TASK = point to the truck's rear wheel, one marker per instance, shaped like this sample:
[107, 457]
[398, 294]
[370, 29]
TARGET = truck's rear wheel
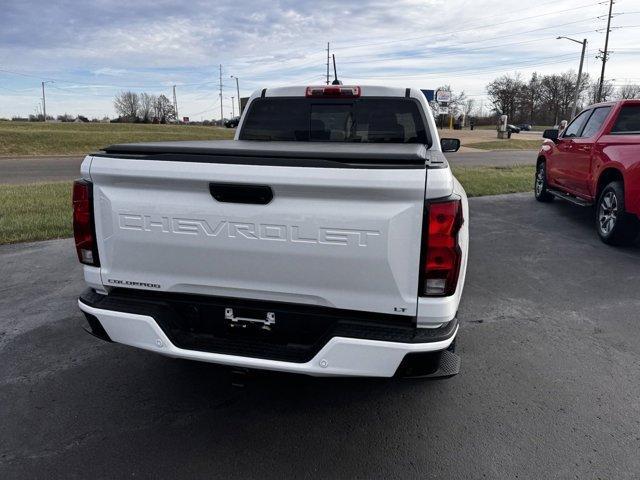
[614, 225]
[540, 186]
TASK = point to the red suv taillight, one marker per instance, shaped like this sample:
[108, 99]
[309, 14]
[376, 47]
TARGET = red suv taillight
[83, 226]
[441, 254]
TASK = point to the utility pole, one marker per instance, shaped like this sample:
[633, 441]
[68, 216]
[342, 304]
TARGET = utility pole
[238, 92]
[577, 94]
[233, 113]
[175, 104]
[605, 53]
[221, 107]
[327, 63]
[44, 102]
[44, 105]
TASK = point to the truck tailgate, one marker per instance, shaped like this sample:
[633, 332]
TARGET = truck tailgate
[340, 237]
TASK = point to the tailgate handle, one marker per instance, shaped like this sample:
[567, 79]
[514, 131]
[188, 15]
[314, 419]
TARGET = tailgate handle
[236, 193]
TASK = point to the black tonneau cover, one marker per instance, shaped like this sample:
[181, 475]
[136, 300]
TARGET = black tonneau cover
[248, 148]
[307, 154]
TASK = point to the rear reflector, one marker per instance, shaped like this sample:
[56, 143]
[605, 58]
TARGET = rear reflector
[83, 226]
[333, 91]
[441, 254]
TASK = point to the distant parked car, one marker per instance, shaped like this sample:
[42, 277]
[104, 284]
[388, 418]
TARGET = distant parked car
[232, 122]
[525, 126]
[596, 161]
[513, 129]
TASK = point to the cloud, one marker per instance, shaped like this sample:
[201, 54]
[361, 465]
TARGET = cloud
[110, 72]
[94, 49]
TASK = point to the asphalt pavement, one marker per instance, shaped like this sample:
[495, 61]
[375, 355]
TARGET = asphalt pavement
[549, 386]
[20, 170]
[27, 169]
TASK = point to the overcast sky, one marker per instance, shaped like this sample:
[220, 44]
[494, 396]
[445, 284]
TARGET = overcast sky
[93, 49]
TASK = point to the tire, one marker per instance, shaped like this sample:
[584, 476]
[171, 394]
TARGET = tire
[540, 187]
[613, 224]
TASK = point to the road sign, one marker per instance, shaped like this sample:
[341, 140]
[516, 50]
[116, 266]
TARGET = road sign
[443, 96]
[443, 110]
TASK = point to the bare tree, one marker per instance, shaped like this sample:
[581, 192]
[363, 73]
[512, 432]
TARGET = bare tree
[531, 98]
[629, 91]
[127, 105]
[66, 118]
[505, 93]
[163, 109]
[146, 108]
[467, 108]
[608, 89]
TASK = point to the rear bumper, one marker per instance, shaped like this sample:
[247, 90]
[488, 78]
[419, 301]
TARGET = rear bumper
[124, 320]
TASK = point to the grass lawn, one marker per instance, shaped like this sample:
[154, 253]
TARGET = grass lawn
[34, 138]
[43, 211]
[540, 128]
[480, 181]
[511, 144]
[35, 212]
[534, 128]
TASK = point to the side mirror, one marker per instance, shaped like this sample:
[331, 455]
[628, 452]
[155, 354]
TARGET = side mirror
[450, 144]
[551, 134]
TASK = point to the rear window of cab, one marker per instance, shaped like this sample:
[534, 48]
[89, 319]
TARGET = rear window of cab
[360, 120]
[628, 121]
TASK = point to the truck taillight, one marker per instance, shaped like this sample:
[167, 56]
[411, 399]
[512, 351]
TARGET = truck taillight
[441, 254]
[83, 226]
[333, 91]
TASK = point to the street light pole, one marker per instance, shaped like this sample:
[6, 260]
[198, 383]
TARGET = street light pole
[577, 94]
[238, 91]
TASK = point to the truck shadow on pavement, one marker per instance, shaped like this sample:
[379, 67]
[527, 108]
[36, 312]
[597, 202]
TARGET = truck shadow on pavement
[583, 219]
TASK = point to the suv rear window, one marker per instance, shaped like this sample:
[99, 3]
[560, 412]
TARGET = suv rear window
[361, 120]
[628, 121]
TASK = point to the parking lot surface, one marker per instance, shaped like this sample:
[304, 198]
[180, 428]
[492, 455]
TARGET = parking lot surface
[26, 169]
[549, 386]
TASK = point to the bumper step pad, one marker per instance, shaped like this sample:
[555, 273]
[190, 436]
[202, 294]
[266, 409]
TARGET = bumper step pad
[448, 366]
[430, 365]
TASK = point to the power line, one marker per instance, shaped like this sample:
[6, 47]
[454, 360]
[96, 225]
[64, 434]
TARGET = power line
[439, 74]
[435, 35]
[482, 26]
[106, 85]
[466, 50]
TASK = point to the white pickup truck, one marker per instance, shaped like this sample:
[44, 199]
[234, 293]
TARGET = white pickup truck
[329, 238]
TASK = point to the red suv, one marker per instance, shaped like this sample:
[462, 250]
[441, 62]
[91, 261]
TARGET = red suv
[596, 161]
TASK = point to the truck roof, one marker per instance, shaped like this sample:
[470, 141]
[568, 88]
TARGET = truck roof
[629, 101]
